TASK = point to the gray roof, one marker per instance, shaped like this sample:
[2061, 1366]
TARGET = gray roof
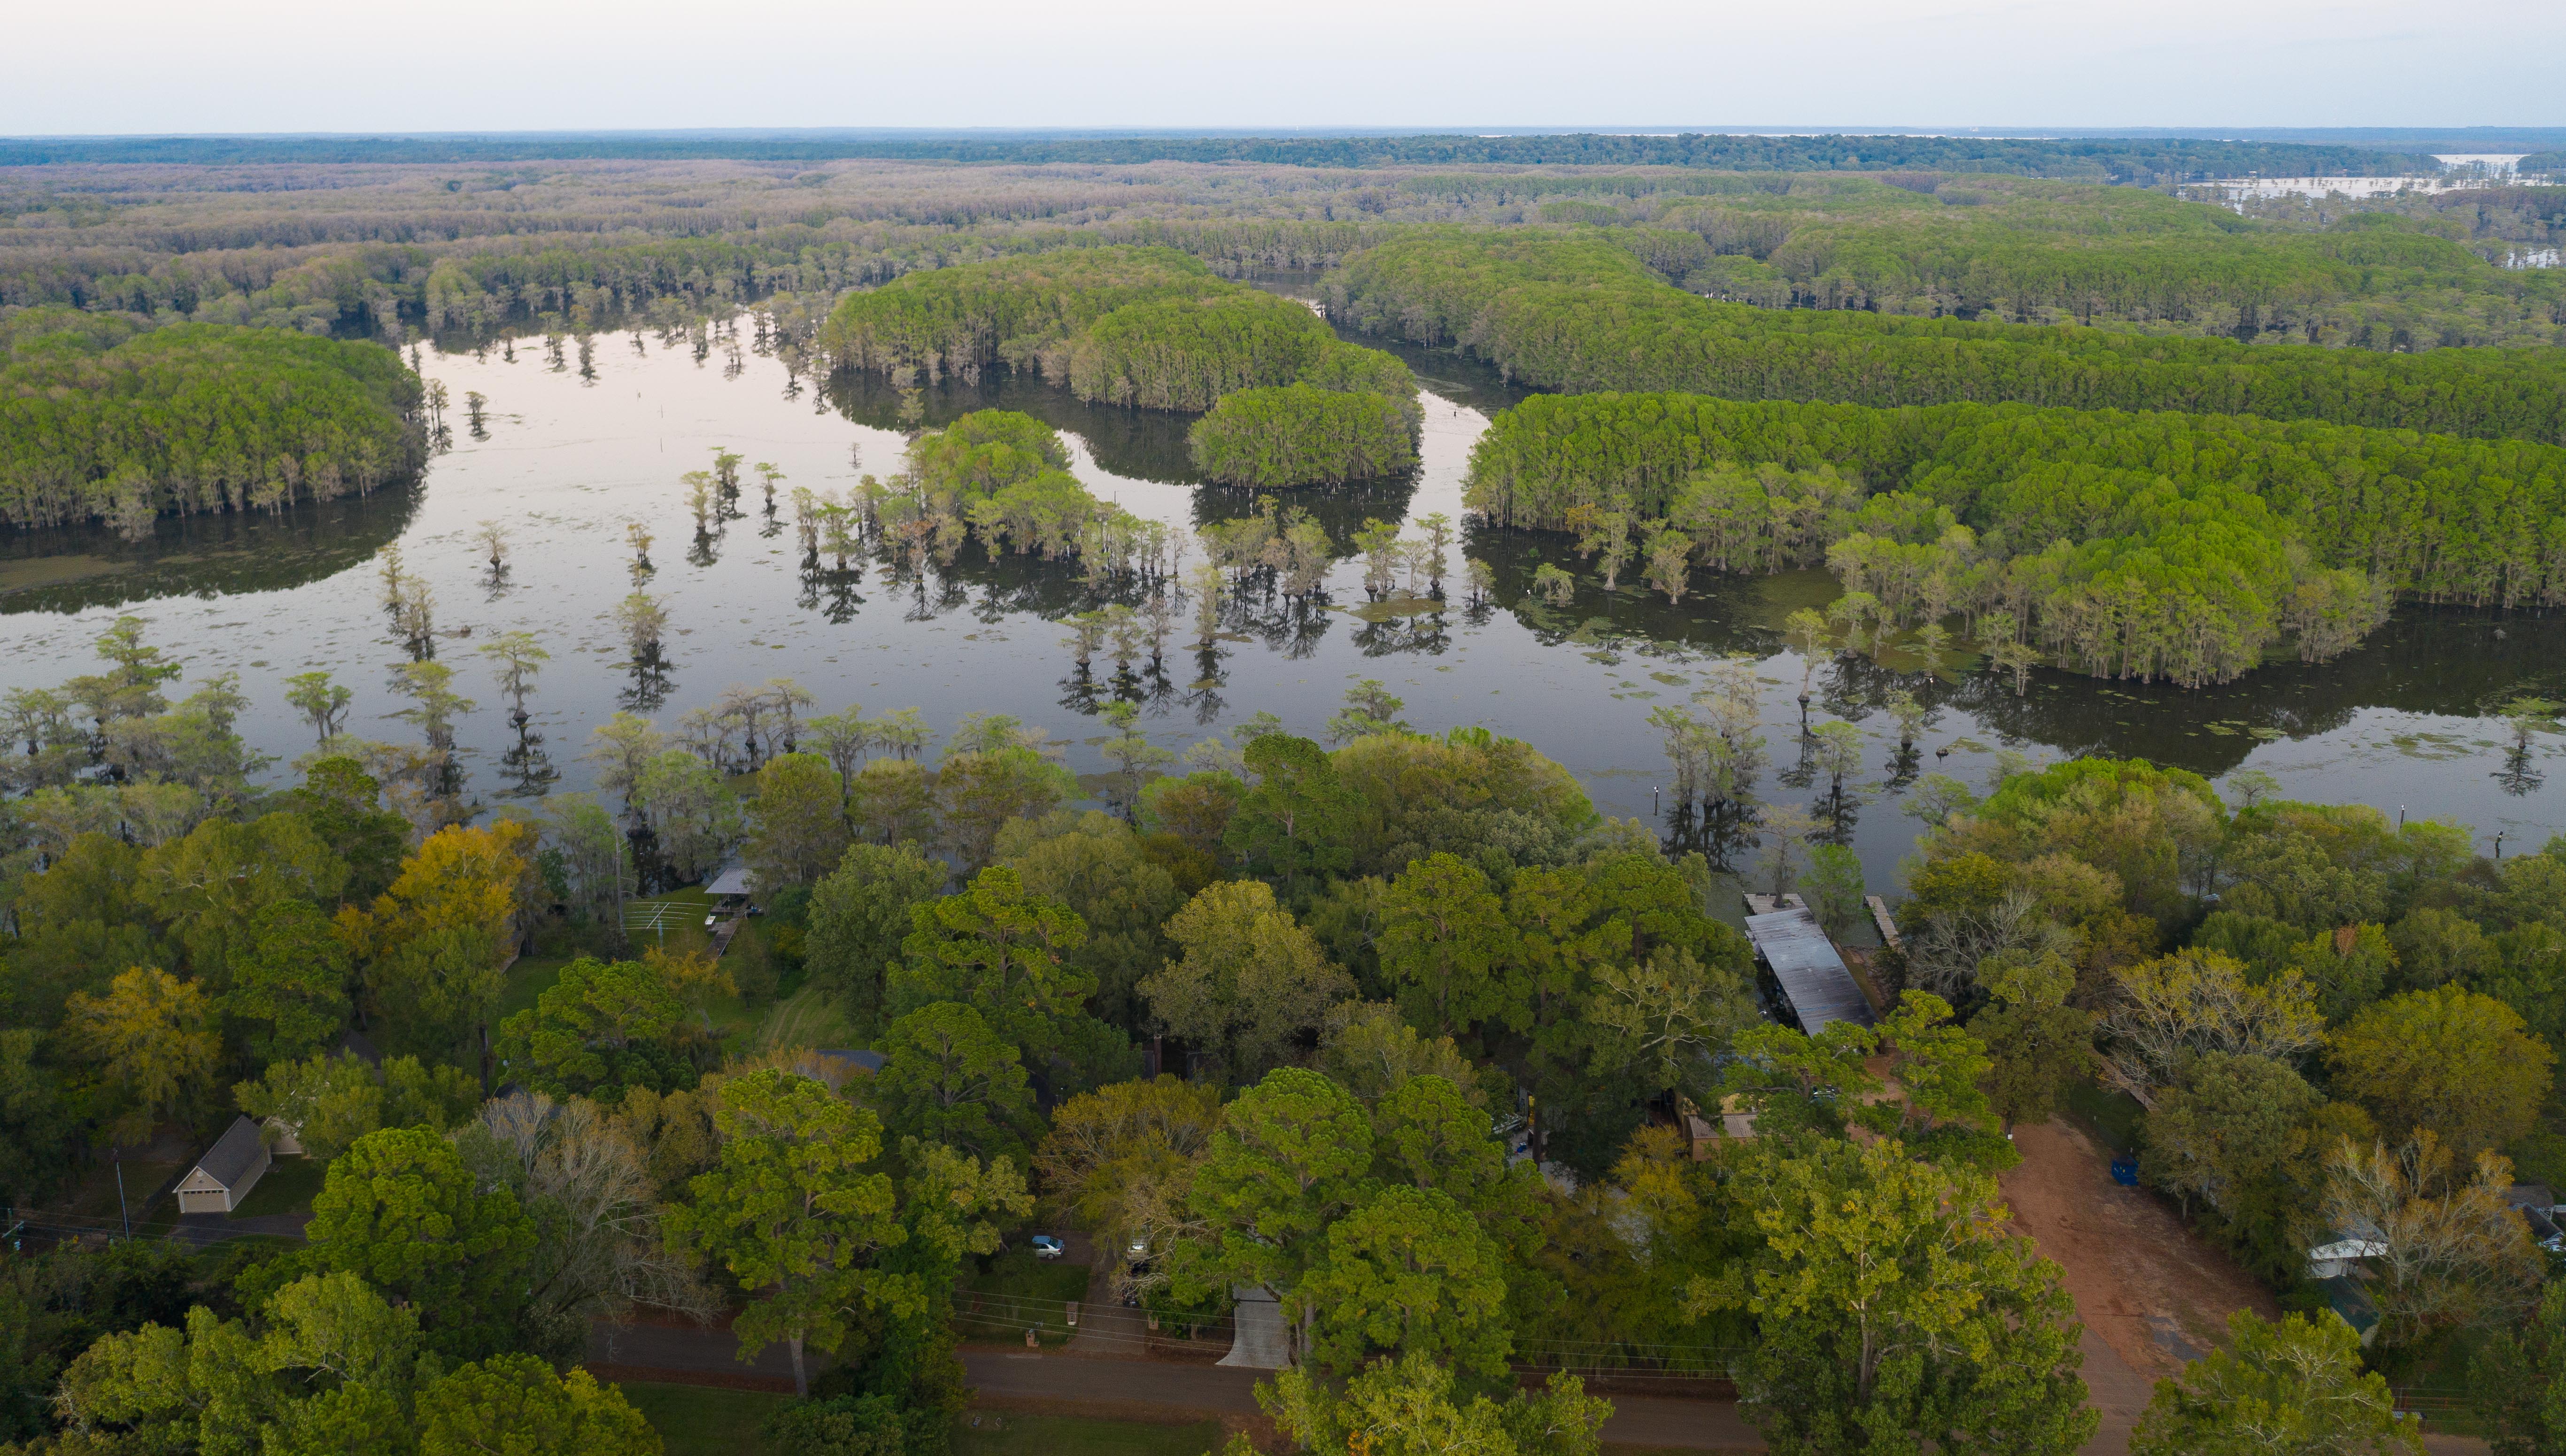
[731, 881]
[1821, 991]
[233, 1154]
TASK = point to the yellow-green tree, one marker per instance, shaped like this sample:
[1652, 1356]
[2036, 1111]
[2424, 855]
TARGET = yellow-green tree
[1895, 1310]
[152, 1039]
[2461, 1065]
[2295, 1388]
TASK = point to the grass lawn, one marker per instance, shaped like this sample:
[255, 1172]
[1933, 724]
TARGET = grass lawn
[286, 1187]
[698, 1420]
[2436, 1376]
[1001, 1433]
[809, 1017]
[1027, 1291]
[2109, 1115]
[528, 978]
[94, 1199]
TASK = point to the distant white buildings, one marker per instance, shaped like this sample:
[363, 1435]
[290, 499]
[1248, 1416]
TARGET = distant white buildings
[2460, 170]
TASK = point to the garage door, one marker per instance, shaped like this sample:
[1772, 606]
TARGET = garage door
[215, 1201]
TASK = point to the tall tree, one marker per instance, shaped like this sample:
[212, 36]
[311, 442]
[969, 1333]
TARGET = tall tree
[2292, 1388]
[514, 1403]
[1251, 984]
[289, 979]
[1000, 949]
[798, 822]
[1446, 946]
[400, 1210]
[1294, 825]
[949, 1077]
[1894, 1309]
[1408, 1408]
[1289, 1160]
[2522, 1376]
[1113, 1156]
[1408, 1270]
[792, 1210]
[2449, 1061]
[860, 915]
[152, 1039]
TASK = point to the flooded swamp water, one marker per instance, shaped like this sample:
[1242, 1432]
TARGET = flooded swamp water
[566, 456]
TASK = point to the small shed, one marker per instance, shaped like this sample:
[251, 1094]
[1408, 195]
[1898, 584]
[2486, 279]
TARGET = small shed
[1816, 987]
[228, 1170]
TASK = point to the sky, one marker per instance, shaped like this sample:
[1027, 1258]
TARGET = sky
[184, 65]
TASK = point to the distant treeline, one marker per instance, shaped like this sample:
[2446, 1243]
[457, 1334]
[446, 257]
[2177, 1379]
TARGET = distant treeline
[100, 420]
[1146, 327]
[2145, 161]
[2137, 543]
[1578, 311]
[590, 280]
[591, 245]
[2402, 274]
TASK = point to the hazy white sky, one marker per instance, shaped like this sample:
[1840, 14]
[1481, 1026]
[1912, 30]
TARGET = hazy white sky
[482, 65]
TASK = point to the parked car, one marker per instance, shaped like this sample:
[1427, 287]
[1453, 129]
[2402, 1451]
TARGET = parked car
[1048, 1246]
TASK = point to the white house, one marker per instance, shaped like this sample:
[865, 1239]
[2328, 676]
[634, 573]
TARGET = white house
[228, 1170]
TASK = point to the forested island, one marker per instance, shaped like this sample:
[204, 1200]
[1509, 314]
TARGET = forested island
[1151, 328]
[1583, 313]
[2131, 545]
[104, 418]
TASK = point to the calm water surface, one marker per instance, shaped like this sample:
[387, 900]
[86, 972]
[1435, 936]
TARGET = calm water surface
[566, 460]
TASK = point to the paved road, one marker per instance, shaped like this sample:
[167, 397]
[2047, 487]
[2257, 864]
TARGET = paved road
[684, 1347]
[1697, 1425]
[1161, 1387]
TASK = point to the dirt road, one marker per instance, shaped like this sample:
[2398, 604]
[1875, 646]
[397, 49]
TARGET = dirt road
[2157, 1292]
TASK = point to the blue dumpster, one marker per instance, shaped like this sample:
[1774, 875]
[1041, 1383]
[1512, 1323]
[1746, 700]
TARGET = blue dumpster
[2125, 1171]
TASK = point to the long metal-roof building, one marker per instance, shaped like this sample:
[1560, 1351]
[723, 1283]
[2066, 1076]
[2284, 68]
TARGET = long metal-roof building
[1814, 981]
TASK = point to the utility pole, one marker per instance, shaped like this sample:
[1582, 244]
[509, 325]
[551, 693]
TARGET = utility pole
[116, 1156]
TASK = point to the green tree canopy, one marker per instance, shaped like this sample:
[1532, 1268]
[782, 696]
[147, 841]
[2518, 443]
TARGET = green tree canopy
[949, 1077]
[2453, 1062]
[999, 950]
[2292, 1388]
[792, 1209]
[1250, 985]
[1446, 946]
[1894, 1307]
[400, 1210]
[514, 1403]
[1408, 1270]
[860, 915]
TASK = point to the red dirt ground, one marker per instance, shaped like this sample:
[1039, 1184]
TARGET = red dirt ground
[2157, 1293]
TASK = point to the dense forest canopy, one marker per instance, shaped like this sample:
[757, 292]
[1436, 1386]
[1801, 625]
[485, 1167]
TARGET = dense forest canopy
[464, 249]
[2134, 544]
[1151, 328]
[2100, 160]
[1302, 434]
[1576, 311]
[102, 417]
